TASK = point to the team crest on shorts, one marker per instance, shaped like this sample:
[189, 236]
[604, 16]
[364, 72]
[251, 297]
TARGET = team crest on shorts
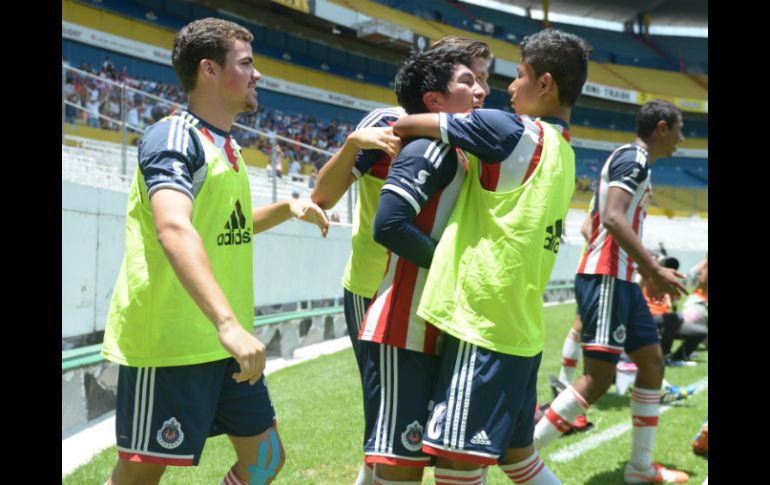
[620, 334]
[170, 435]
[412, 437]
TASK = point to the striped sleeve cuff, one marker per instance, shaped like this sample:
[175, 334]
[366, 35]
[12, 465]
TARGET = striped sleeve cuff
[442, 122]
[176, 187]
[621, 185]
[404, 194]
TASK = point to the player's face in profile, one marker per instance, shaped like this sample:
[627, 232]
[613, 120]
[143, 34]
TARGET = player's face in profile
[463, 91]
[674, 136]
[239, 78]
[523, 91]
[480, 68]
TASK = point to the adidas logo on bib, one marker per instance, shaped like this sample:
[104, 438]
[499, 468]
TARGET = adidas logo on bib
[481, 438]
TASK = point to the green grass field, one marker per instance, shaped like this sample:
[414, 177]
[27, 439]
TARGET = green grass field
[320, 419]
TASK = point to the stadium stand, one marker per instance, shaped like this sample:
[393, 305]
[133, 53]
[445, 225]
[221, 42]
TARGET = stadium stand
[283, 114]
[658, 52]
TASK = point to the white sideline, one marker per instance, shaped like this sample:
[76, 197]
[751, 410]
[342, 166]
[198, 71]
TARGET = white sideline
[577, 449]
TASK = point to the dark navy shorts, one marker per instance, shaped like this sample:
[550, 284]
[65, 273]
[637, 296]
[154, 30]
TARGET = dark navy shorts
[165, 414]
[615, 317]
[484, 404]
[398, 385]
[355, 309]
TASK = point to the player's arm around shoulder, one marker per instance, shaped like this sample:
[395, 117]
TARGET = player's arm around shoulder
[360, 150]
[416, 175]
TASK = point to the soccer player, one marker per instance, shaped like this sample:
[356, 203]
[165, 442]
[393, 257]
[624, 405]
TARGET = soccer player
[398, 348]
[366, 156]
[492, 264]
[614, 313]
[180, 320]
[570, 352]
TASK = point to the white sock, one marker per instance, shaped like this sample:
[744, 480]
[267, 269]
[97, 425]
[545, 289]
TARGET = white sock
[365, 475]
[644, 417]
[531, 471]
[567, 406]
[570, 355]
[484, 473]
[445, 476]
[232, 479]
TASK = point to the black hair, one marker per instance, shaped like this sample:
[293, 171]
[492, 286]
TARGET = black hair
[563, 55]
[427, 71]
[652, 112]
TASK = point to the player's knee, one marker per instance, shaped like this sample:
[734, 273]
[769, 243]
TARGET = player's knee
[652, 368]
[135, 473]
[598, 384]
[398, 473]
[269, 461]
[456, 464]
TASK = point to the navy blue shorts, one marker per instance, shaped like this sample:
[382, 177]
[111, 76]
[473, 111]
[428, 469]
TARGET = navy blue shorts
[398, 384]
[355, 309]
[484, 404]
[615, 317]
[165, 414]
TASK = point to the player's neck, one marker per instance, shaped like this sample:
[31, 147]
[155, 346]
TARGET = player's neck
[211, 111]
[559, 112]
[649, 148]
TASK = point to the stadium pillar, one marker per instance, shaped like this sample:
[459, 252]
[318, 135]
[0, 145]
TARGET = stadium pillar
[546, 23]
[63, 99]
[275, 180]
[123, 121]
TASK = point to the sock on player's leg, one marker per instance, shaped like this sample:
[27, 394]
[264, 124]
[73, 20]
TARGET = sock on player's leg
[644, 417]
[446, 476]
[570, 355]
[563, 410]
[531, 471]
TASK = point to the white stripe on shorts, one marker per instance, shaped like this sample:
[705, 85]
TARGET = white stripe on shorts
[394, 394]
[452, 392]
[456, 402]
[381, 413]
[142, 409]
[466, 405]
[151, 401]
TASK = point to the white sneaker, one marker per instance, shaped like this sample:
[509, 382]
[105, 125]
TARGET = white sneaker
[655, 474]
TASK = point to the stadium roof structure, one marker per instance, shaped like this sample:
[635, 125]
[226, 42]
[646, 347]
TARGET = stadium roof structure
[680, 13]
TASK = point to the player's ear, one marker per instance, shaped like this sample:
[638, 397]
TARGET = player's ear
[546, 83]
[206, 68]
[432, 101]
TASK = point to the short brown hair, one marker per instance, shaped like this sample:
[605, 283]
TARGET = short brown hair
[474, 48]
[207, 38]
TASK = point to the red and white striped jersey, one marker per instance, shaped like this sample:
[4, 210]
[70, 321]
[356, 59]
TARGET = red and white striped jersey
[428, 176]
[508, 147]
[627, 169]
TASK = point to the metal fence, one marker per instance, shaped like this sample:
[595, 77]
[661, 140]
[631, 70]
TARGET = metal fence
[104, 104]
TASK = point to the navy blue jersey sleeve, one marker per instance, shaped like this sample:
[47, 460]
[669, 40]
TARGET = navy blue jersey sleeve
[394, 229]
[382, 117]
[490, 134]
[423, 168]
[170, 156]
[626, 171]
